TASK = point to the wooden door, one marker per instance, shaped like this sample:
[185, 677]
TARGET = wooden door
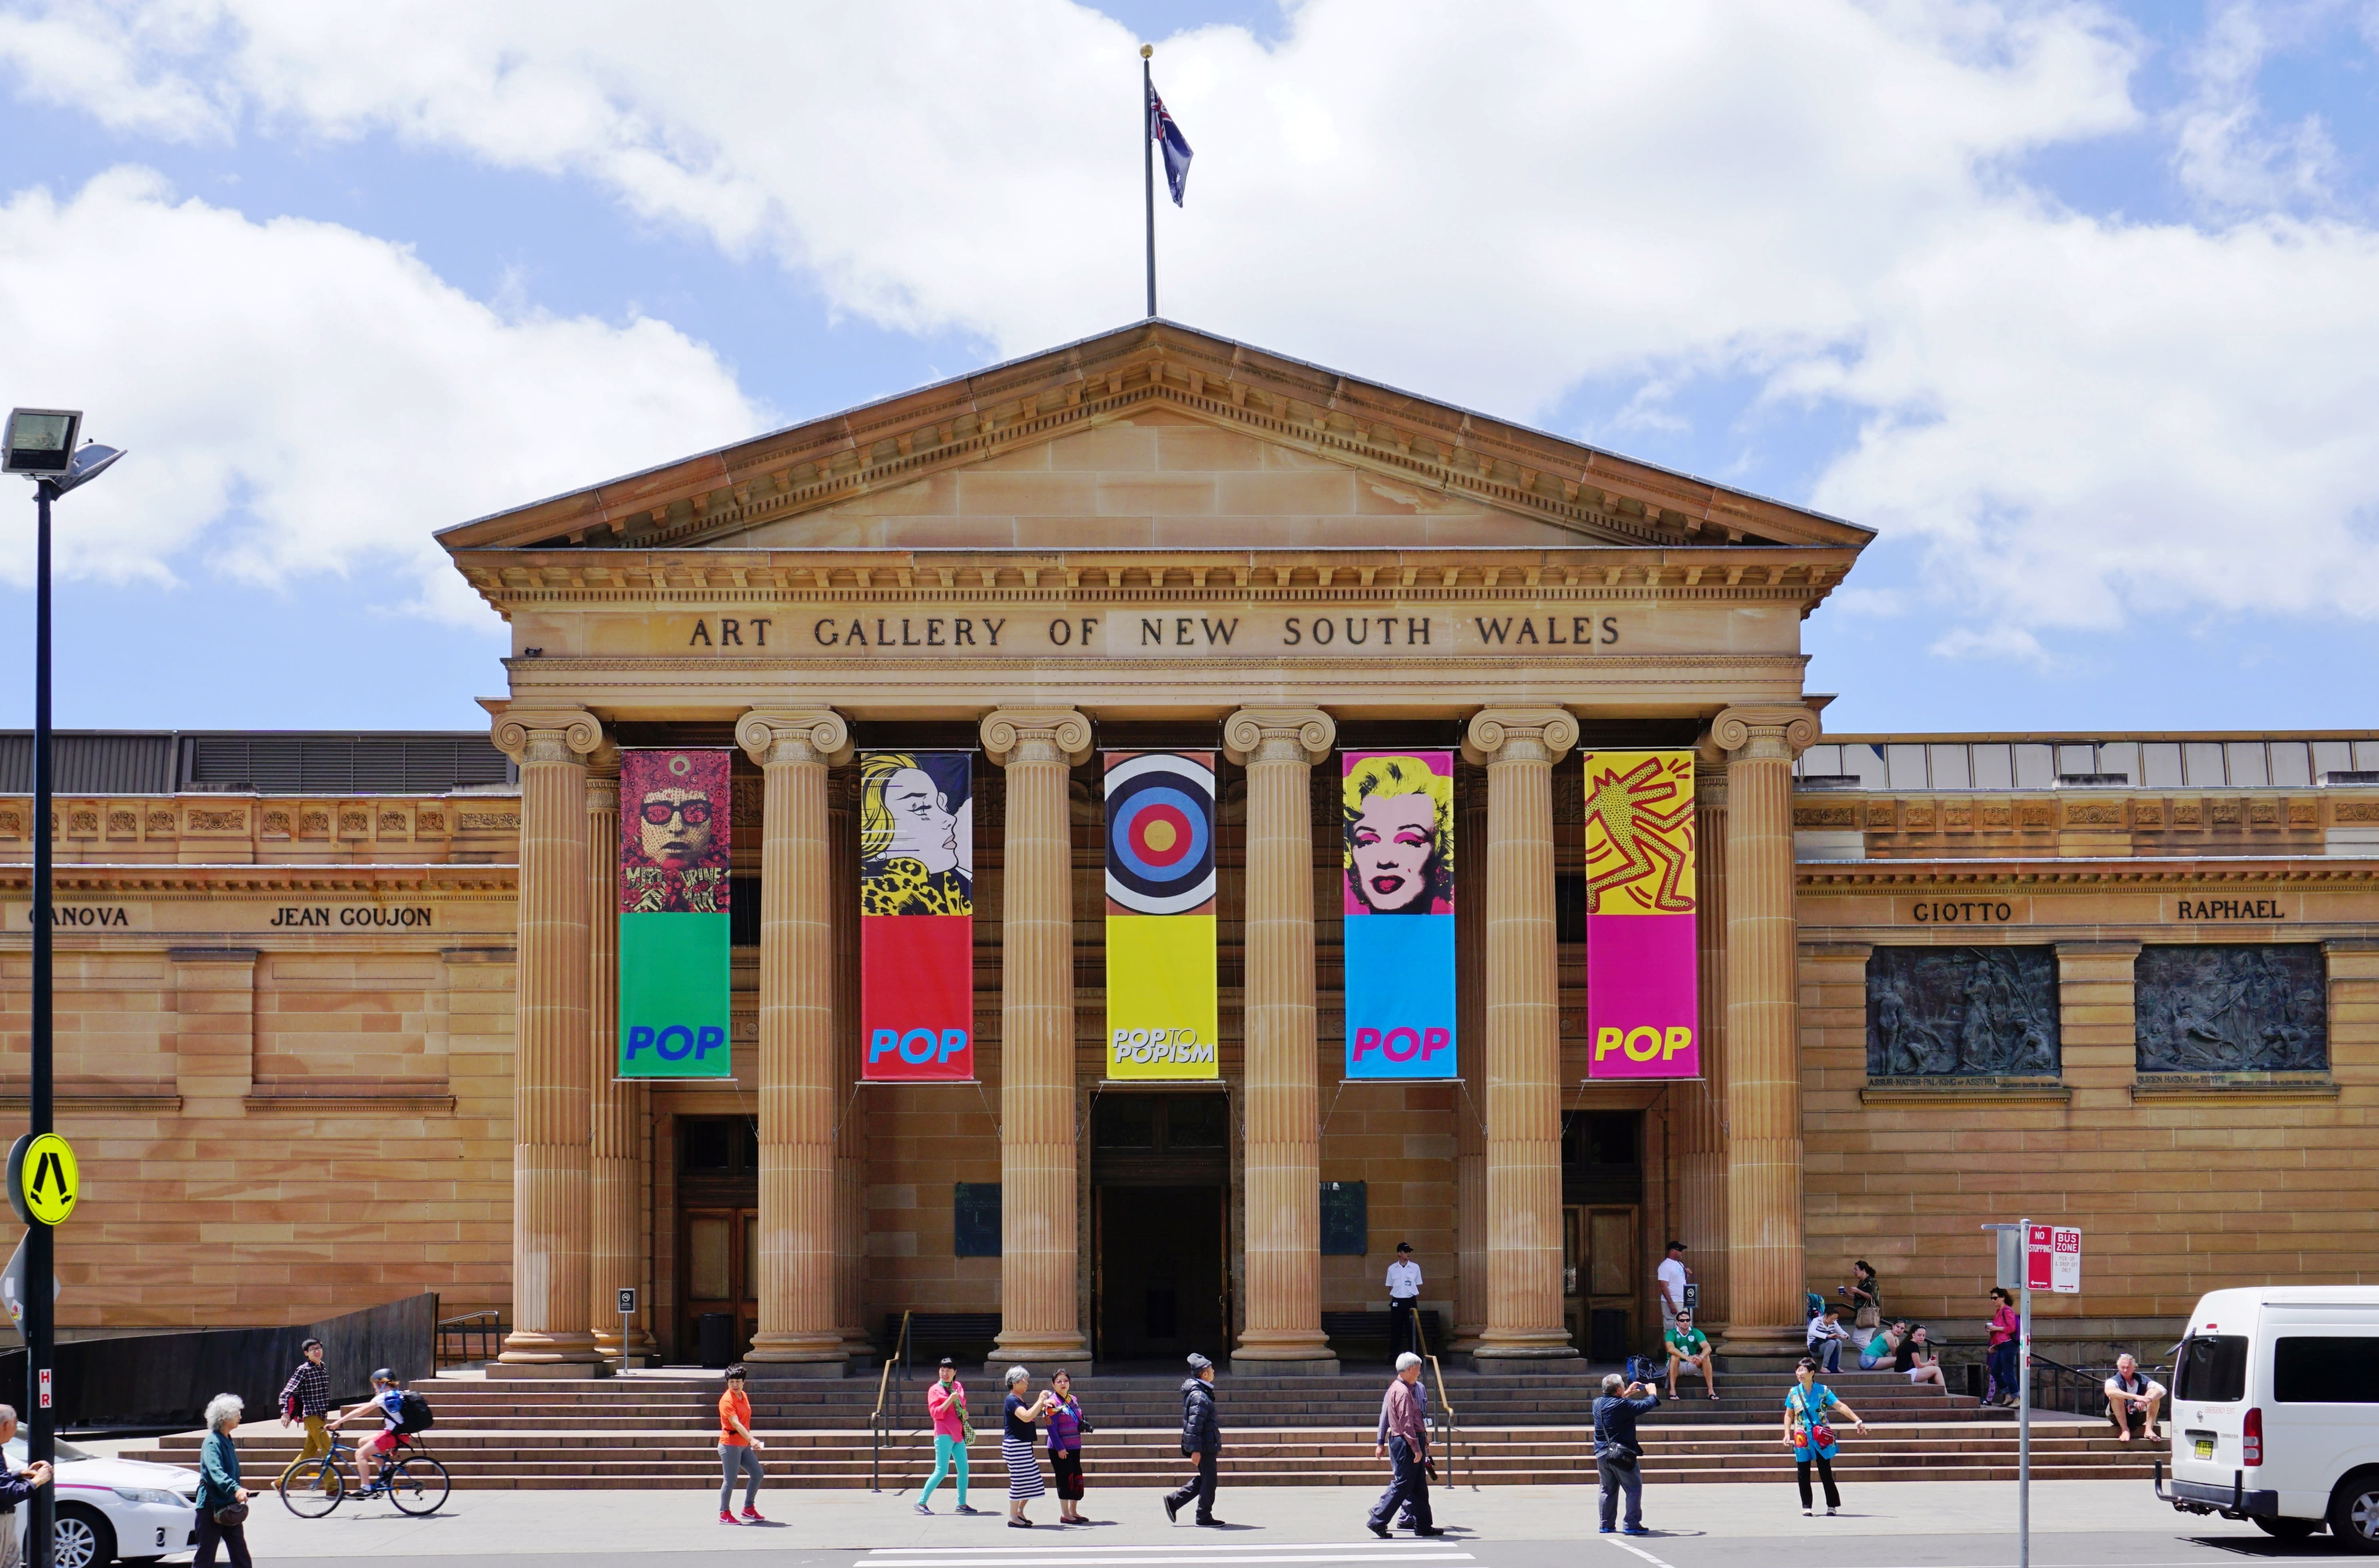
[720, 1249]
[1599, 1273]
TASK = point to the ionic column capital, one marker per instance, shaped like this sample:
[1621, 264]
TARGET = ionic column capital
[603, 777]
[1764, 734]
[794, 734]
[1035, 734]
[1519, 734]
[1279, 734]
[529, 734]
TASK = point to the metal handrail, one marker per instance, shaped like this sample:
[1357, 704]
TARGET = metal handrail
[1452, 1421]
[899, 1353]
[486, 1326]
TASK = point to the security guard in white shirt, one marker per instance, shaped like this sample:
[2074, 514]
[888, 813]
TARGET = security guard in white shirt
[1404, 1289]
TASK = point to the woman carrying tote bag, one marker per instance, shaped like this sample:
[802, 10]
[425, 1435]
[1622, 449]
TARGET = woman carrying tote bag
[223, 1502]
[1809, 1408]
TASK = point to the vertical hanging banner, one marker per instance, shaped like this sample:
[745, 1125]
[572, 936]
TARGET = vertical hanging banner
[1162, 1017]
[1398, 811]
[1640, 997]
[916, 916]
[673, 922]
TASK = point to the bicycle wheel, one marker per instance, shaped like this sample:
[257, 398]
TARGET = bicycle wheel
[417, 1484]
[311, 1488]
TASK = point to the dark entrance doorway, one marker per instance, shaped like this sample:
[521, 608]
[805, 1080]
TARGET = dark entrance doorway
[1159, 1169]
[1602, 1203]
[718, 1230]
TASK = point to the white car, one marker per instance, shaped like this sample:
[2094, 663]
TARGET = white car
[2275, 1411]
[109, 1509]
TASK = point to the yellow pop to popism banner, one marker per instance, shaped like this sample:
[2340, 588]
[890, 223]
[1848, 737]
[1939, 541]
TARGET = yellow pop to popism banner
[1163, 1019]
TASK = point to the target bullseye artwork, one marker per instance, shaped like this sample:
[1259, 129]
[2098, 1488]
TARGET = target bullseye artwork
[1163, 1019]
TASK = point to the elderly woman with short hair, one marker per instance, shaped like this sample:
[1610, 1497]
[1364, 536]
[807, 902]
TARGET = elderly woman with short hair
[219, 1487]
[1020, 1416]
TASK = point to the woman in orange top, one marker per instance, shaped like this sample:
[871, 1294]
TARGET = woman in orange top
[737, 1449]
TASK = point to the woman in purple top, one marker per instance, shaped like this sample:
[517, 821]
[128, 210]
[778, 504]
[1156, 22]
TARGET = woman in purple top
[1065, 1429]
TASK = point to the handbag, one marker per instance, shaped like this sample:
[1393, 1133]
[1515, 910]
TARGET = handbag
[232, 1515]
[1870, 1316]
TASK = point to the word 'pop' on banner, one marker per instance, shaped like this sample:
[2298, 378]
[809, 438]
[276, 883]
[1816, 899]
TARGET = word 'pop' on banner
[674, 820]
[1398, 858]
[1162, 1017]
[1641, 1006]
[916, 915]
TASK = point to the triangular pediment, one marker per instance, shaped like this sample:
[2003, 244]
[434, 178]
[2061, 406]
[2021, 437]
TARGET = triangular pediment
[1155, 436]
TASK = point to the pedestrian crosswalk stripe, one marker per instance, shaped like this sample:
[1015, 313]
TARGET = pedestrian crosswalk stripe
[1370, 1548]
[891, 1558]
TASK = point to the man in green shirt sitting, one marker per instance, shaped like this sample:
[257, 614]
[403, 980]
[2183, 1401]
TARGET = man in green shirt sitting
[1688, 1346]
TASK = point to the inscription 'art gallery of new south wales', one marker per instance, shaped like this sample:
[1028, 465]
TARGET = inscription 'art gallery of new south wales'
[946, 858]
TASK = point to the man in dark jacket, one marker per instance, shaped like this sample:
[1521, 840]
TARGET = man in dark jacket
[1618, 1457]
[16, 1486]
[1201, 1436]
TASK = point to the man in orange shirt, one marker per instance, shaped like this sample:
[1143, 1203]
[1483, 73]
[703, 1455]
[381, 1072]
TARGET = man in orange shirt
[738, 1450]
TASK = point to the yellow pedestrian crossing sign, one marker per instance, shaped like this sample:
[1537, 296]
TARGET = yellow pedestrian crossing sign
[43, 1180]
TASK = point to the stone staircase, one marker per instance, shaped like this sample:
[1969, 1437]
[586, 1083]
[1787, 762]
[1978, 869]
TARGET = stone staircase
[657, 1430]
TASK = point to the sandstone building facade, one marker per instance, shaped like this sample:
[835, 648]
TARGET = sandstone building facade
[327, 1039]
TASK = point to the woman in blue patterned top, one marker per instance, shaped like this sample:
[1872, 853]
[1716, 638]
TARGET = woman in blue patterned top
[1065, 1429]
[1808, 1431]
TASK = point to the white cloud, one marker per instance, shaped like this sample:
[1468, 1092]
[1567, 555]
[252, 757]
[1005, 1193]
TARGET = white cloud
[2080, 418]
[322, 390]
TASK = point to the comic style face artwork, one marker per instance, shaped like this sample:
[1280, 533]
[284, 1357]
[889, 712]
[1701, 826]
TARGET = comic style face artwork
[673, 832]
[916, 833]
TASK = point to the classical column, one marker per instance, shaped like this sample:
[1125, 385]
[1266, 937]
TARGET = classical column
[617, 1252]
[850, 1136]
[1470, 1027]
[1765, 1268]
[799, 1335]
[1039, 1320]
[1282, 1332]
[1519, 747]
[553, 1069]
[1701, 1107]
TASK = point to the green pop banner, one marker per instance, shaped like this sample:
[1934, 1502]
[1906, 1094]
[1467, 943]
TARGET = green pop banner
[674, 914]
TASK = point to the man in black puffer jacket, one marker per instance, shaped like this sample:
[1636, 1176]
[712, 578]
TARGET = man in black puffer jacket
[1202, 1437]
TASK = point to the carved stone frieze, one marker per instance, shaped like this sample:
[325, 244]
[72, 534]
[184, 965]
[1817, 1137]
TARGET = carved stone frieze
[1962, 1012]
[2247, 1007]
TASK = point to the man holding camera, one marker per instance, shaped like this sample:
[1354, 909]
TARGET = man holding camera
[1618, 1455]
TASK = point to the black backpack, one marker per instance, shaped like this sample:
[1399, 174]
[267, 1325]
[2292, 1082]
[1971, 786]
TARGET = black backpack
[417, 1417]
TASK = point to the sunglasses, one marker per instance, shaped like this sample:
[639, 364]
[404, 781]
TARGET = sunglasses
[696, 812]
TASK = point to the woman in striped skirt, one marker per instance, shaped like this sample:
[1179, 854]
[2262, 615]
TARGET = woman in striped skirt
[1020, 1416]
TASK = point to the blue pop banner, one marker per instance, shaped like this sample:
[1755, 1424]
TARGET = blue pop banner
[1398, 890]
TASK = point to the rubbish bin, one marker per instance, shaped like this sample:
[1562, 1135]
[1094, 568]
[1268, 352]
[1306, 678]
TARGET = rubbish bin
[715, 1333]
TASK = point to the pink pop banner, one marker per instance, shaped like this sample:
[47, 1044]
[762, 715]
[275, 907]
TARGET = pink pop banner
[1641, 982]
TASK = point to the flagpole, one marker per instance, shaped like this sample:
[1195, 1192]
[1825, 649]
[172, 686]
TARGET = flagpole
[1148, 165]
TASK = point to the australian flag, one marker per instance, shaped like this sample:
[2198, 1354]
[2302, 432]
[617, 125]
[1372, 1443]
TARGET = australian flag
[1177, 146]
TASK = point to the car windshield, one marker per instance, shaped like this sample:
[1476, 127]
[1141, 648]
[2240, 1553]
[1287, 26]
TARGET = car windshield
[18, 1461]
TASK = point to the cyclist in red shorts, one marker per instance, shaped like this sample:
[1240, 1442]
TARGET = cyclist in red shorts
[388, 1402]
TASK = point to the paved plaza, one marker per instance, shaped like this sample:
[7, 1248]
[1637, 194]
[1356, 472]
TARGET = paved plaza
[1905, 1524]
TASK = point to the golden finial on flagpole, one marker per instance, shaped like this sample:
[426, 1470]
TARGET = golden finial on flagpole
[1146, 50]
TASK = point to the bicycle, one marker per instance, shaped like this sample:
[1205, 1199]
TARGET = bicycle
[412, 1480]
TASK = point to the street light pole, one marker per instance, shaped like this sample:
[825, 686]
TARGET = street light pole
[41, 1263]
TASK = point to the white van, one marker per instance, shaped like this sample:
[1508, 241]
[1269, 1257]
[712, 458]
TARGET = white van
[2275, 1411]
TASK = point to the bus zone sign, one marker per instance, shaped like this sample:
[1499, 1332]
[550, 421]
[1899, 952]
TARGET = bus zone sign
[2053, 1259]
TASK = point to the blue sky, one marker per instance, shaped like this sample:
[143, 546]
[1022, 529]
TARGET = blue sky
[2079, 319]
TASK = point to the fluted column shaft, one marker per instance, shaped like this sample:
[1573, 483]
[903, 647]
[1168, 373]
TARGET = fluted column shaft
[798, 1332]
[1701, 1107]
[1279, 747]
[850, 1137]
[1039, 1318]
[1524, 1243]
[1469, 1103]
[552, 1067]
[616, 1255]
[1765, 1266]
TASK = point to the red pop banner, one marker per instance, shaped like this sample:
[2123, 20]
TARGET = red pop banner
[916, 916]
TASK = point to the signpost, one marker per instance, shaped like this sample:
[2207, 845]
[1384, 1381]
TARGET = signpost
[2032, 1257]
[627, 1311]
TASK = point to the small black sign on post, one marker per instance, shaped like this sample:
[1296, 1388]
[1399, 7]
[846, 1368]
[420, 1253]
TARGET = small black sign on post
[627, 1312]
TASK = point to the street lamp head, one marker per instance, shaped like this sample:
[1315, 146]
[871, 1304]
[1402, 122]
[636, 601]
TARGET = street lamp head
[40, 441]
[91, 460]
